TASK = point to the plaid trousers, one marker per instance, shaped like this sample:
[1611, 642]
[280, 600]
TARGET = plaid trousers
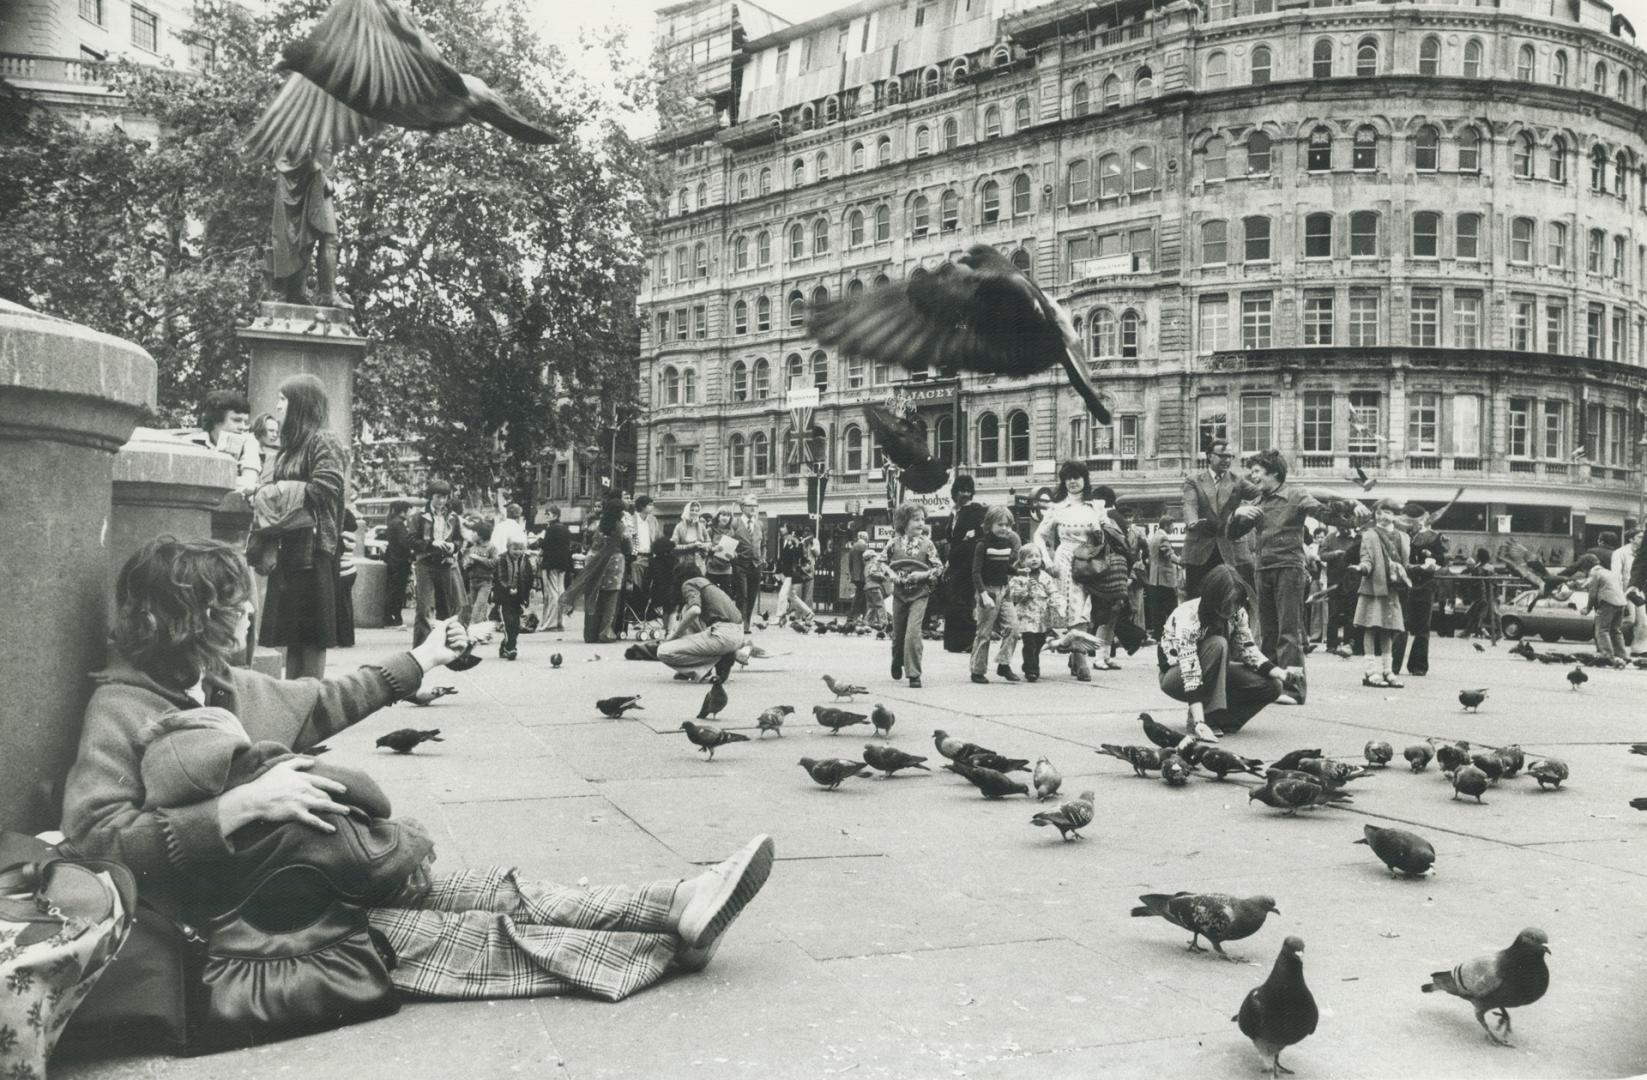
[487, 934]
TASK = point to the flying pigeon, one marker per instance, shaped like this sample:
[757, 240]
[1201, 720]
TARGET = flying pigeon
[1549, 772]
[368, 64]
[1403, 852]
[843, 689]
[1175, 771]
[1472, 699]
[1159, 734]
[706, 737]
[1362, 480]
[1638, 804]
[979, 314]
[772, 719]
[1577, 677]
[1221, 762]
[1418, 756]
[1295, 792]
[1046, 778]
[1141, 758]
[1378, 753]
[1469, 780]
[1282, 1011]
[829, 772]
[1069, 818]
[404, 740]
[615, 707]
[713, 701]
[883, 718]
[1638, 748]
[836, 719]
[890, 759]
[1218, 917]
[1498, 982]
[555, 660]
[431, 694]
[904, 444]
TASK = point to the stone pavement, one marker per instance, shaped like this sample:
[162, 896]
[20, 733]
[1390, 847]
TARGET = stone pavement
[911, 929]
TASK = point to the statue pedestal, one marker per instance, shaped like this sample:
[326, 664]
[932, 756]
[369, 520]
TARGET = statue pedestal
[69, 398]
[371, 581]
[164, 485]
[291, 339]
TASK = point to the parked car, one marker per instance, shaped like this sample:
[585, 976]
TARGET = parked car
[1551, 617]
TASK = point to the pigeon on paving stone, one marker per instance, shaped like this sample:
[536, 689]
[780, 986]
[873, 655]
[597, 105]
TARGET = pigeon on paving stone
[1158, 733]
[1046, 778]
[1418, 756]
[1281, 1012]
[988, 760]
[890, 759]
[1472, 699]
[1469, 780]
[955, 749]
[1512, 757]
[843, 689]
[829, 772]
[405, 739]
[431, 694]
[1638, 748]
[615, 707]
[1403, 852]
[1577, 677]
[706, 737]
[1639, 804]
[1221, 762]
[555, 659]
[1069, 818]
[1294, 792]
[1549, 772]
[1489, 764]
[772, 719]
[883, 718]
[1141, 758]
[836, 719]
[1478, 647]
[713, 702]
[1290, 761]
[993, 784]
[1335, 774]
[1175, 771]
[1498, 982]
[1450, 756]
[1218, 917]
[1378, 753]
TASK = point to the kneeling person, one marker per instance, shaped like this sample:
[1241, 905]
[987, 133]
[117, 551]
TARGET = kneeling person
[709, 634]
[1209, 659]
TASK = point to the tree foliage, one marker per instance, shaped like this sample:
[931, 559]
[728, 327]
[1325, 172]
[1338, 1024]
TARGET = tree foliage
[495, 280]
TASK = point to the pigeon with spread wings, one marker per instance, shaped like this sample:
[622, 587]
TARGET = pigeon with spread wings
[904, 445]
[978, 314]
[366, 65]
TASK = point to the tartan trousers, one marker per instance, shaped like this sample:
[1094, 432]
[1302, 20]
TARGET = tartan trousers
[487, 934]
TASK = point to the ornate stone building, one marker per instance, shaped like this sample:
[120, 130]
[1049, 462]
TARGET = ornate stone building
[1410, 238]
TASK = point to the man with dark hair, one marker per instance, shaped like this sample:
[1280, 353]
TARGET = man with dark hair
[966, 529]
[1210, 500]
[1411, 645]
[554, 562]
[397, 559]
[224, 418]
[436, 537]
[750, 532]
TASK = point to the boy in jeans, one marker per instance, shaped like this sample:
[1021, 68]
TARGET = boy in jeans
[1607, 601]
[513, 589]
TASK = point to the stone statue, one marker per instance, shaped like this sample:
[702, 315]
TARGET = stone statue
[304, 226]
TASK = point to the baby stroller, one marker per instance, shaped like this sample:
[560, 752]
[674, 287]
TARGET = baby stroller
[646, 599]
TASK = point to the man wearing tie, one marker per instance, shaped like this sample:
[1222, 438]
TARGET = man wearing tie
[1211, 498]
[748, 529]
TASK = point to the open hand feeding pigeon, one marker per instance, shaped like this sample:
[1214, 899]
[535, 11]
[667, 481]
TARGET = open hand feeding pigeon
[843, 689]
[1403, 852]
[1070, 818]
[1497, 982]
[1218, 917]
[431, 694]
[405, 740]
[706, 737]
[836, 719]
[1281, 1012]
[890, 759]
[978, 314]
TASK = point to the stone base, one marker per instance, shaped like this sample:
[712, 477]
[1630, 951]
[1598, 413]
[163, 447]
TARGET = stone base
[292, 339]
[371, 578]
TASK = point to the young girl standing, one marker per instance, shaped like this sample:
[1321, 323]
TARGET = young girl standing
[1383, 568]
[1072, 524]
[914, 566]
[1034, 597]
[991, 570]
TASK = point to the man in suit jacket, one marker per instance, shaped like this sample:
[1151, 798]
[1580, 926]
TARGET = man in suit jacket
[1211, 498]
[750, 530]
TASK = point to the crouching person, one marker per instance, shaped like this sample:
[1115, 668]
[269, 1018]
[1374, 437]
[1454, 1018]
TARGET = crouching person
[1209, 660]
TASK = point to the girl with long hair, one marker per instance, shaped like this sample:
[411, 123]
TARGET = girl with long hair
[1209, 660]
[1072, 523]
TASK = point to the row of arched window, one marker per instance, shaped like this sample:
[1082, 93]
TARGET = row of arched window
[1110, 95]
[999, 441]
[927, 82]
[1117, 174]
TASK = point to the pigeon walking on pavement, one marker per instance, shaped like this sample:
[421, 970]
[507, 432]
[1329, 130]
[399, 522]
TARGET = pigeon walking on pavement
[772, 719]
[1469, 780]
[1218, 917]
[431, 694]
[615, 707]
[1293, 791]
[883, 719]
[1175, 771]
[992, 783]
[1549, 772]
[1497, 982]
[1577, 677]
[1046, 778]
[713, 701]
[1282, 1011]
[1070, 817]
[1291, 759]
[829, 772]
[1221, 762]
[706, 737]
[1472, 699]
[405, 740]
[1450, 757]
[1403, 852]
[890, 759]
[1142, 758]
[1418, 756]
[955, 749]
[843, 689]
[1378, 753]
[836, 719]
[1158, 733]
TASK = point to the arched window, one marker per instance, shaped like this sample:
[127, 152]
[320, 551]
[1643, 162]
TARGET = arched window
[689, 387]
[684, 201]
[794, 373]
[700, 260]
[1256, 234]
[1321, 58]
[1129, 335]
[670, 452]
[760, 456]
[821, 171]
[857, 157]
[854, 287]
[952, 134]
[1143, 84]
[1597, 259]
[703, 194]
[1214, 243]
[669, 386]
[1078, 101]
[881, 279]
[852, 449]
[1429, 56]
[831, 110]
[1110, 176]
[1260, 67]
[1018, 438]
[1365, 154]
[1101, 339]
[949, 211]
[797, 309]
[820, 369]
[766, 182]
[1216, 71]
[760, 388]
[1599, 83]
[1020, 259]
[1020, 195]
[797, 173]
[989, 440]
[820, 297]
[1258, 154]
[1521, 156]
[682, 267]
[894, 91]
[943, 437]
[1472, 58]
[1143, 169]
[763, 313]
[1215, 160]
[743, 185]
[763, 248]
[1426, 235]
[1623, 85]
[1598, 168]
[883, 223]
[797, 241]
[883, 150]
[1366, 58]
[1469, 150]
[1525, 64]
[1320, 151]
[820, 236]
[809, 118]
[1112, 93]
[1427, 149]
[855, 228]
[740, 253]
[1621, 173]
[1558, 159]
[992, 123]
[1364, 234]
[920, 216]
[1558, 68]
[1078, 182]
[736, 455]
[740, 381]
[932, 81]
[1318, 236]
[740, 317]
[989, 202]
[1020, 114]
[923, 141]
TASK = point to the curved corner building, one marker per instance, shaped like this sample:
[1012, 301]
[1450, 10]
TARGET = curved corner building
[1406, 237]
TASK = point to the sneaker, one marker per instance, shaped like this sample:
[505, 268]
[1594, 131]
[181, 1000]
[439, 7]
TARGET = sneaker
[914, 682]
[981, 679]
[733, 884]
[1006, 673]
[897, 670]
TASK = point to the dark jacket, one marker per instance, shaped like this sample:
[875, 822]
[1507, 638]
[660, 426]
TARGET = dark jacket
[427, 530]
[321, 465]
[397, 542]
[1208, 505]
[555, 547]
[1431, 544]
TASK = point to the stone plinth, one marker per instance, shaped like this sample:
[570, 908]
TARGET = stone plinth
[164, 484]
[371, 579]
[69, 398]
[289, 339]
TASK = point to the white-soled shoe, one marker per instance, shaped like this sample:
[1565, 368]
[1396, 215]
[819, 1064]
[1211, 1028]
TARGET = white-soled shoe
[733, 884]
